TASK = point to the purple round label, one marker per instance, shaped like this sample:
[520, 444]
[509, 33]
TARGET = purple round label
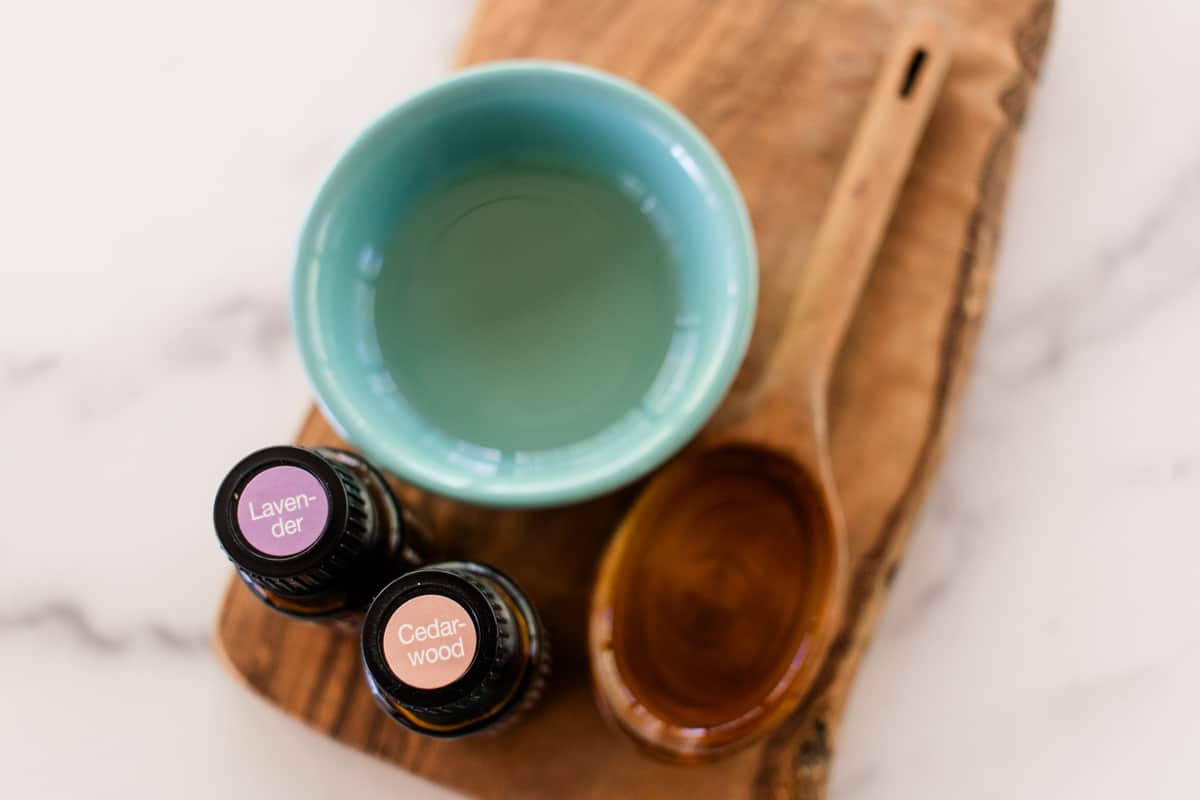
[282, 511]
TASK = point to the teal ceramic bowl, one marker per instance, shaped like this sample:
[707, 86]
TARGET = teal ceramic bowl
[525, 286]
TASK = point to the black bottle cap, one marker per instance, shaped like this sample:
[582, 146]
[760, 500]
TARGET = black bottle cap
[444, 651]
[293, 520]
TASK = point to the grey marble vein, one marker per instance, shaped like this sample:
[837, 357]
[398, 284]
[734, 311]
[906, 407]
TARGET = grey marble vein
[70, 617]
[1083, 697]
[1180, 469]
[21, 371]
[231, 324]
[955, 527]
[1115, 289]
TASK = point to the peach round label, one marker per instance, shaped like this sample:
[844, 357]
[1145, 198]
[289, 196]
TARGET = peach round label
[429, 641]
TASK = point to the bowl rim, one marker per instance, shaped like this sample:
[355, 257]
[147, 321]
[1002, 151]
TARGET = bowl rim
[567, 484]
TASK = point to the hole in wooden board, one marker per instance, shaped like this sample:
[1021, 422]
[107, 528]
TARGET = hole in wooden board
[913, 72]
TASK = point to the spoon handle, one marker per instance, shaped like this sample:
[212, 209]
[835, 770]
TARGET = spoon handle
[857, 214]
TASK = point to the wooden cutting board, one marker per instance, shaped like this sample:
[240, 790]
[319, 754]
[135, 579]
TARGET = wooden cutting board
[778, 86]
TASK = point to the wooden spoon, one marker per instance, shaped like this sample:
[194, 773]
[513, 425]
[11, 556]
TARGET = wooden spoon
[722, 589]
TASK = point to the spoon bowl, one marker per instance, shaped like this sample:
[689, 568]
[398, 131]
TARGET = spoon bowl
[695, 569]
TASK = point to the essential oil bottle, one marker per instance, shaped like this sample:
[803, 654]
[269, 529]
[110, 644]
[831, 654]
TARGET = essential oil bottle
[454, 648]
[315, 533]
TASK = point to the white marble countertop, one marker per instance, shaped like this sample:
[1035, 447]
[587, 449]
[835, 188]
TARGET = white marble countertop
[1042, 639]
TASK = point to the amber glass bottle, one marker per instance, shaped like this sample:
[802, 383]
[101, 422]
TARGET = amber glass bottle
[454, 648]
[314, 532]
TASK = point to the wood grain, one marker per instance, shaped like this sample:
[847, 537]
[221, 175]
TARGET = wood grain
[778, 86]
